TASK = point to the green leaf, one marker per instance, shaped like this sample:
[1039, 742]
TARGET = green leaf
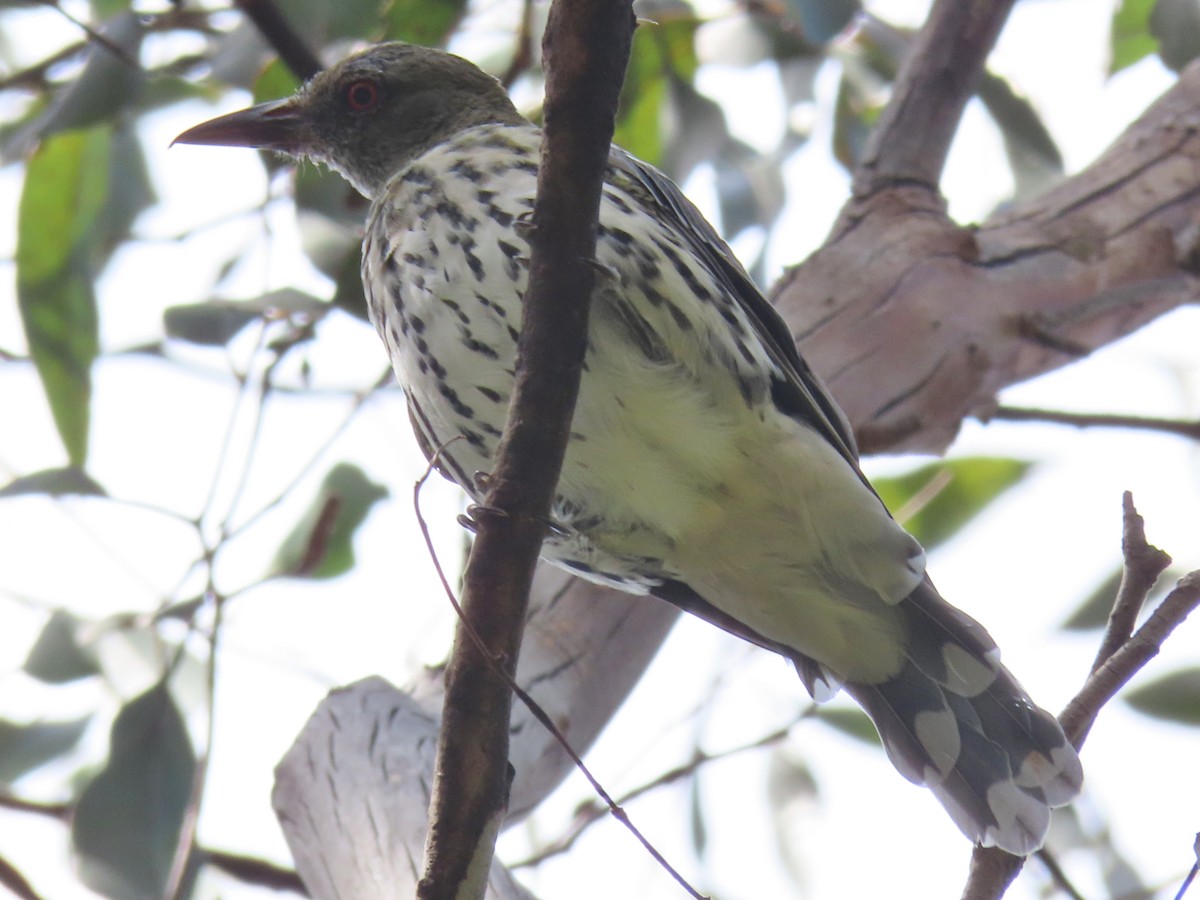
[935, 501]
[849, 721]
[108, 83]
[55, 482]
[822, 20]
[854, 115]
[321, 544]
[348, 288]
[215, 322]
[660, 54]
[57, 656]
[1093, 612]
[24, 747]
[1174, 697]
[1032, 154]
[66, 183]
[426, 22]
[1176, 25]
[1129, 37]
[130, 192]
[274, 82]
[128, 819]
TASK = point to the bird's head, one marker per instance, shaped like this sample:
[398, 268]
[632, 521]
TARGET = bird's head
[369, 115]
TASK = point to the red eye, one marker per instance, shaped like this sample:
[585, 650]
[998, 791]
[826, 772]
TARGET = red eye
[362, 96]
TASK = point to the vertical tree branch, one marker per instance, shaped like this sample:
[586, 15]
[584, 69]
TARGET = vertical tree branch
[937, 79]
[586, 49]
[284, 40]
[1122, 655]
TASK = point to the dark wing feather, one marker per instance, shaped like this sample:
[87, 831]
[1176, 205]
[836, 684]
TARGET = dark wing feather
[800, 393]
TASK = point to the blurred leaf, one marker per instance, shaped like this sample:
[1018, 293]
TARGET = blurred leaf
[55, 482]
[321, 544]
[275, 82]
[1174, 697]
[107, 84]
[854, 115]
[348, 288]
[822, 20]
[355, 21]
[216, 322]
[849, 721]
[130, 191]
[935, 501]
[57, 656]
[1034, 157]
[425, 22]
[25, 747]
[128, 819]
[1129, 36]
[793, 794]
[1176, 24]
[1093, 612]
[660, 54]
[66, 184]
[210, 323]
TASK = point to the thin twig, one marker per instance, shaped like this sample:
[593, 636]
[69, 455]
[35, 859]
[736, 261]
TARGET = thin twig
[939, 76]
[588, 815]
[1143, 646]
[1191, 876]
[523, 54]
[94, 36]
[526, 699]
[1057, 875]
[1181, 427]
[1143, 564]
[993, 870]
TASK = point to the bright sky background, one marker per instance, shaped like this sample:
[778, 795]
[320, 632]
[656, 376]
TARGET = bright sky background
[1020, 570]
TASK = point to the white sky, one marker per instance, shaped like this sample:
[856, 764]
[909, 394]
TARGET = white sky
[1020, 569]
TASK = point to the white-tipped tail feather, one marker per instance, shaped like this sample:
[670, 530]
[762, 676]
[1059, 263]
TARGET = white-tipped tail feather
[996, 761]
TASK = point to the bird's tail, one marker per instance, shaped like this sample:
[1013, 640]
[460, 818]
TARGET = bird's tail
[957, 721]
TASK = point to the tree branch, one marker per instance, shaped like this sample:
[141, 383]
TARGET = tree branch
[1183, 428]
[1033, 288]
[910, 142]
[283, 39]
[585, 52]
[1122, 655]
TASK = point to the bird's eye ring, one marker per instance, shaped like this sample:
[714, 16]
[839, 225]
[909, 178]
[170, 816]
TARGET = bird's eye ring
[362, 95]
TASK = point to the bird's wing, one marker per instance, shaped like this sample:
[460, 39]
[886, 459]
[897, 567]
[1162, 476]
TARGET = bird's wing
[798, 393]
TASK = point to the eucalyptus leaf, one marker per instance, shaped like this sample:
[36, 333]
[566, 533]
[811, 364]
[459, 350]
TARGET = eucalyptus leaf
[1174, 697]
[1129, 39]
[25, 747]
[1176, 25]
[55, 482]
[321, 544]
[128, 819]
[216, 322]
[935, 501]
[1033, 156]
[822, 20]
[1093, 612]
[425, 22]
[57, 656]
[849, 721]
[66, 185]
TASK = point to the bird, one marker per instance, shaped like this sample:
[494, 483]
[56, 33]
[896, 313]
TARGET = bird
[707, 464]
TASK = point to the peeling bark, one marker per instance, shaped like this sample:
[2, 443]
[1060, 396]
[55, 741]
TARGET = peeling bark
[937, 318]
